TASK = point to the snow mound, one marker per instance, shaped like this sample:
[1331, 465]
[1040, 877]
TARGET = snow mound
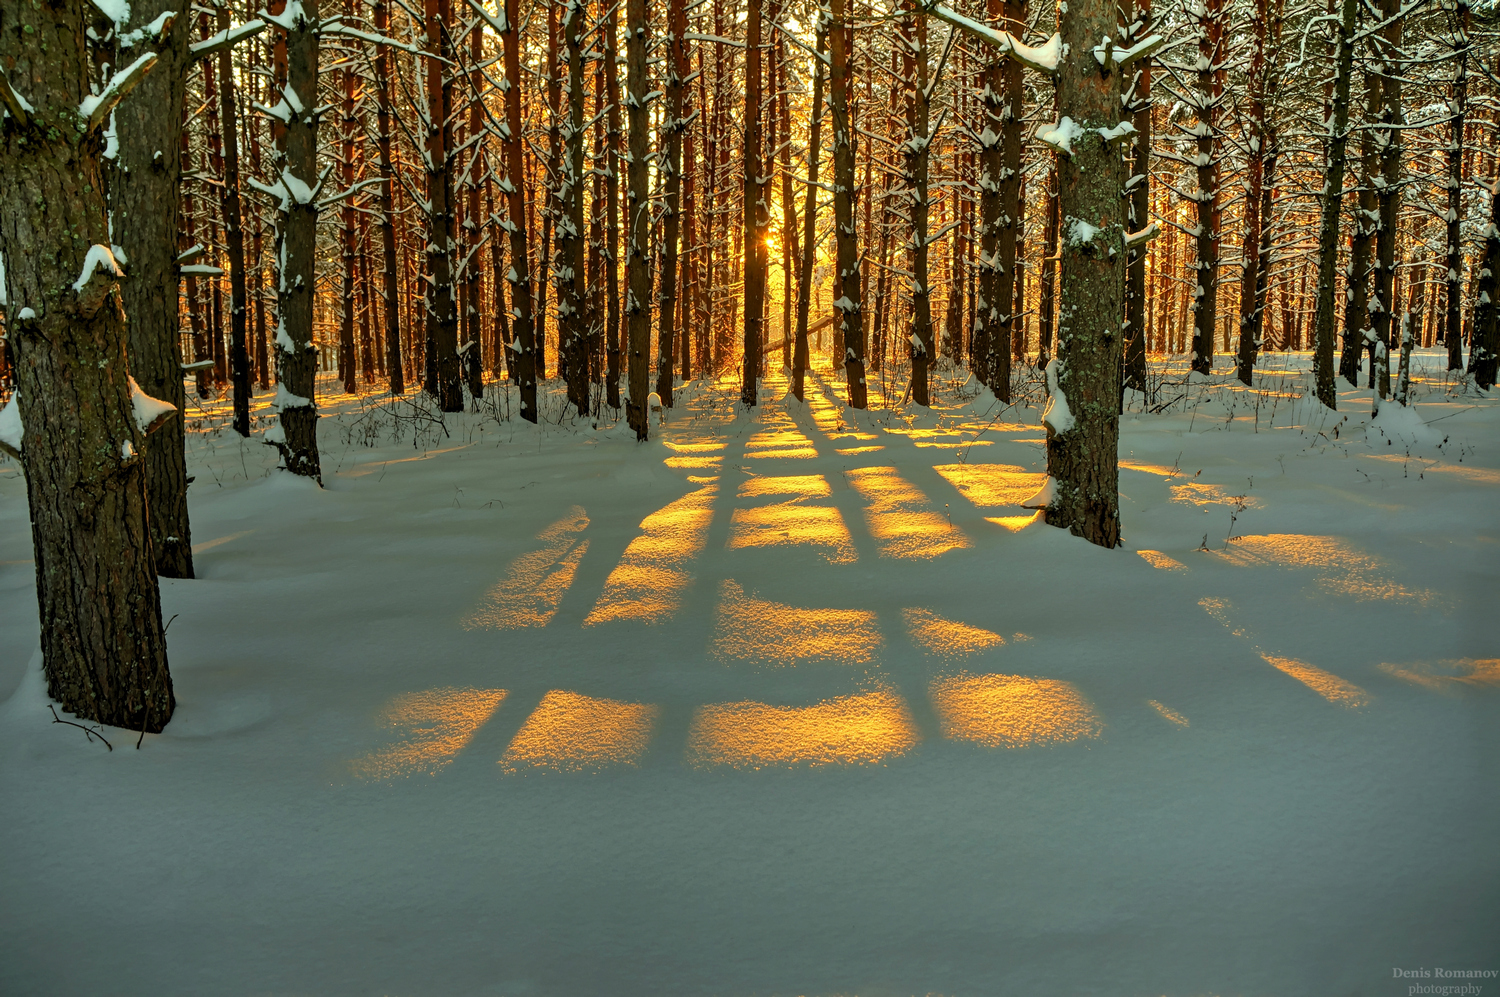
[1400, 422]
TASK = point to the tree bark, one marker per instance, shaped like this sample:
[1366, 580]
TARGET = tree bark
[144, 191]
[810, 211]
[849, 318]
[103, 647]
[755, 216]
[391, 286]
[638, 219]
[1328, 227]
[1207, 98]
[519, 274]
[915, 150]
[1453, 282]
[677, 71]
[567, 209]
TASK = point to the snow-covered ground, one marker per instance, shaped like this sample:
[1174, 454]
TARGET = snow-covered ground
[796, 702]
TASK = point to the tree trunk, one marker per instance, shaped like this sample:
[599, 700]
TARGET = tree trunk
[348, 368]
[677, 71]
[1328, 227]
[296, 246]
[1388, 196]
[1209, 94]
[442, 309]
[390, 276]
[754, 206]
[638, 219]
[103, 648]
[1484, 350]
[810, 213]
[849, 318]
[1358, 331]
[608, 52]
[1255, 178]
[1082, 414]
[1139, 210]
[519, 274]
[567, 210]
[1453, 282]
[144, 196]
[915, 150]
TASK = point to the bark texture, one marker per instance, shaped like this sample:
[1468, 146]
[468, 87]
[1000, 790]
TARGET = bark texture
[103, 648]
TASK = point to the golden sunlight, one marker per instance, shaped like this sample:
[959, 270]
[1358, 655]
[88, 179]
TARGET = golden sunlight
[536, 582]
[1012, 711]
[991, 485]
[648, 583]
[1449, 675]
[1325, 684]
[791, 523]
[438, 723]
[900, 517]
[569, 732]
[759, 631]
[1345, 570]
[947, 638]
[1161, 561]
[849, 730]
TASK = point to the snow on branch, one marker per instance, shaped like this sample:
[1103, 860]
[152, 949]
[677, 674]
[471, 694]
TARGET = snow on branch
[1134, 240]
[96, 107]
[16, 106]
[11, 429]
[1042, 58]
[497, 24]
[228, 38]
[96, 257]
[334, 26]
[349, 192]
[150, 412]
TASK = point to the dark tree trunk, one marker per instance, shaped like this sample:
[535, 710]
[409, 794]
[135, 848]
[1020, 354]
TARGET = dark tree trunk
[1328, 227]
[756, 216]
[809, 215]
[1453, 282]
[519, 274]
[608, 50]
[1388, 197]
[638, 219]
[390, 277]
[143, 193]
[568, 271]
[677, 70]
[442, 309]
[103, 648]
[1139, 210]
[849, 320]
[1207, 97]
[296, 247]
[914, 66]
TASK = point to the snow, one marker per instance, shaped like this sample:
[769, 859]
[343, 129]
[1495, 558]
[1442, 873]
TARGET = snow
[992, 758]
[26, 314]
[97, 256]
[149, 412]
[1080, 232]
[11, 429]
[1056, 416]
[284, 399]
[117, 11]
[1061, 135]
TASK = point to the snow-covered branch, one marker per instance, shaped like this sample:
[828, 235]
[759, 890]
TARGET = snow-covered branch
[96, 107]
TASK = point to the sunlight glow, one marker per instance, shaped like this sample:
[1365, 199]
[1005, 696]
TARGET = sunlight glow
[648, 583]
[1198, 493]
[780, 438]
[536, 582]
[989, 485]
[900, 517]
[1161, 561]
[759, 631]
[1012, 711]
[1168, 714]
[1345, 569]
[438, 723]
[1448, 675]
[569, 732]
[790, 523]
[1015, 524]
[1325, 684]
[849, 730]
[947, 638]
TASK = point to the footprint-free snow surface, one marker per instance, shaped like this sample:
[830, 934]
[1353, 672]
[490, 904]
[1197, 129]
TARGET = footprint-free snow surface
[798, 701]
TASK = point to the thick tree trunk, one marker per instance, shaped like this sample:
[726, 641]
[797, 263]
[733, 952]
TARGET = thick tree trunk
[1011, 216]
[849, 317]
[1358, 336]
[390, 276]
[473, 352]
[1139, 210]
[810, 213]
[296, 246]
[1047, 293]
[1453, 282]
[638, 219]
[103, 648]
[519, 274]
[1255, 178]
[1082, 414]
[1328, 227]
[677, 71]
[567, 209]
[442, 308]
[348, 367]
[1388, 196]
[1484, 351]
[143, 194]
[1207, 98]
[915, 152]
[754, 206]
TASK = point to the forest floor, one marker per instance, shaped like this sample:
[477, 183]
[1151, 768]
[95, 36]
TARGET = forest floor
[792, 702]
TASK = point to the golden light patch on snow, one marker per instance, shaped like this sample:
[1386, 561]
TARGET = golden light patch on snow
[855, 451]
[791, 523]
[780, 438]
[989, 485]
[1477, 475]
[219, 541]
[1198, 493]
[947, 638]
[694, 461]
[694, 446]
[437, 724]
[1012, 711]
[570, 732]
[1343, 568]
[761, 631]
[648, 583]
[1447, 675]
[1168, 714]
[900, 517]
[1015, 524]
[535, 583]
[849, 730]
[828, 416]
[1326, 684]
[1161, 561]
[1158, 469]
